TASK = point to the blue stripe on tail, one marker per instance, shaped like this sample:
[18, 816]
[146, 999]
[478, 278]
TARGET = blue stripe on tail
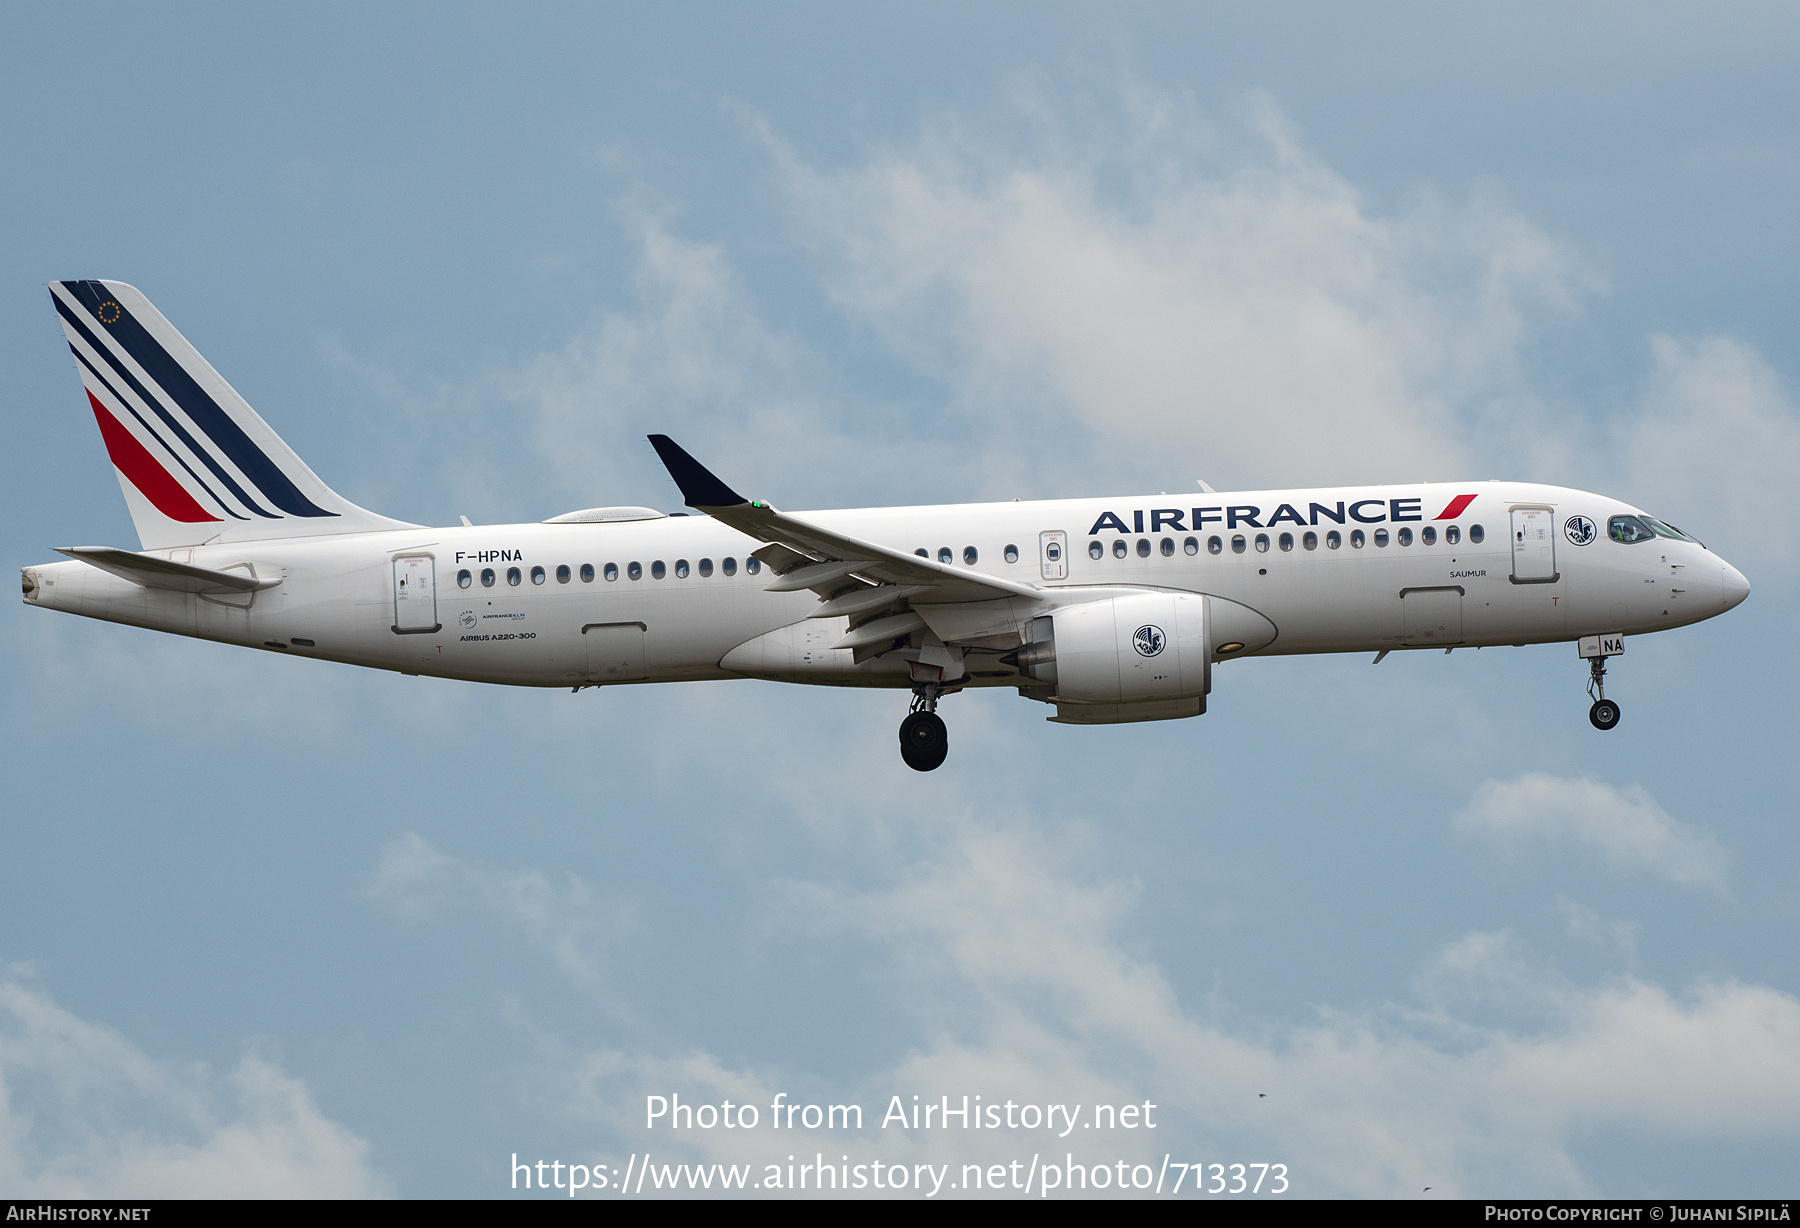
[194, 401]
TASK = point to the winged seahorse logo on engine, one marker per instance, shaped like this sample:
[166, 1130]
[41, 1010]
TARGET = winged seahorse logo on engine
[1148, 640]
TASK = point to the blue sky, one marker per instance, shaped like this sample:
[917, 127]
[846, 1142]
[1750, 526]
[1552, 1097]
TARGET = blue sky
[268, 925]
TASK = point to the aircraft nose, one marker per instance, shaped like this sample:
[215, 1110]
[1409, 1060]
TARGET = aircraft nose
[1733, 587]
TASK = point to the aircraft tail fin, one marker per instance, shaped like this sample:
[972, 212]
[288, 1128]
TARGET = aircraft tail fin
[196, 463]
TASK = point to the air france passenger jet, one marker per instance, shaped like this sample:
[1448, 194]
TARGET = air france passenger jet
[1110, 610]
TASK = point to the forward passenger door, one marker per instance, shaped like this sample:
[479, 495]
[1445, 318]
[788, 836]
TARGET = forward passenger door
[1534, 545]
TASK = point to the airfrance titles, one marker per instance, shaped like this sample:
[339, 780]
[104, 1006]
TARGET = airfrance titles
[1232, 515]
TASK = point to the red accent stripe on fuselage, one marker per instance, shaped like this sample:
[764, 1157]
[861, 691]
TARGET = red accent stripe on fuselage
[141, 470]
[1457, 507]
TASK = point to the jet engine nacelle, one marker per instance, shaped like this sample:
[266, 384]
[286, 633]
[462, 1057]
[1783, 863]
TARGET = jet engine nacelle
[1125, 650]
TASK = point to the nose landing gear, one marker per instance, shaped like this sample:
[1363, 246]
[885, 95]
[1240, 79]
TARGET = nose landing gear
[924, 742]
[1605, 713]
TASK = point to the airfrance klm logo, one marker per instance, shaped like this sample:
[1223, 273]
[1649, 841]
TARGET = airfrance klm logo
[1230, 516]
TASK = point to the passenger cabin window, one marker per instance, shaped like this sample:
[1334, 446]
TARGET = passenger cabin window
[513, 576]
[1476, 533]
[657, 570]
[1237, 543]
[1096, 550]
[537, 575]
[1119, 548]
[487, 577]
[1011, 553]
[944, 555]
[1381, 538]
[1357, 539]
[1191, 546]
[728, 565]
[752, 565]
[1143, 547]
[1310, 541]
[970, 554]
[922, 552]
[564, 575]
[681, 569]
[1167, 547]
[1630, 530]
[1286, 542]
[1334, 540]
[1214, 546]
[1428, 535]
[634, 571]
[464, 579]
[705, 568]
[1406, 537]
[1262, 543]
[1452, 535]
[612, 572]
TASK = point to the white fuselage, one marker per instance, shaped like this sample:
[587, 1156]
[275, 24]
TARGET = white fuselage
[337, 593]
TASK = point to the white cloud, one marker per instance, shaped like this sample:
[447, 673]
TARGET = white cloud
[1109, 302]
[1625, 824]
[694, 358]
[416, 881]
[1713, 447]
[1014, 966]
[86, 1114]
[1009, 959]
[1132, 306]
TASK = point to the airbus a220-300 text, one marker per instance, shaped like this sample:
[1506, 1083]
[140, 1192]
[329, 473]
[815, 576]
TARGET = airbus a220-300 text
[1110, 610]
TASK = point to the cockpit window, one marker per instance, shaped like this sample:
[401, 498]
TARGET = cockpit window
[1629, 529]
[1666, 530]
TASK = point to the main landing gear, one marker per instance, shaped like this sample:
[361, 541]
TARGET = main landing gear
[923, 739]
[1605, 713]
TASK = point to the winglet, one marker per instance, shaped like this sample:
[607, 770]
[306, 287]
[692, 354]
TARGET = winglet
[699, 487]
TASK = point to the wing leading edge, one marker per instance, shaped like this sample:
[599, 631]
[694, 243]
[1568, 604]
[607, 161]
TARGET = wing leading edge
[832, 564]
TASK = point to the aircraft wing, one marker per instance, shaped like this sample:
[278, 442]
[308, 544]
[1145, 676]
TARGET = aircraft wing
[844, 570]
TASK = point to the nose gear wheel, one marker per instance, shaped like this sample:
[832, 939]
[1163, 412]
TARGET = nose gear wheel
[1605, 713]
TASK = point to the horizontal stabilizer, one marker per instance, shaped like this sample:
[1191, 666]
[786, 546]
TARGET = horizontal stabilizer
[153, 572]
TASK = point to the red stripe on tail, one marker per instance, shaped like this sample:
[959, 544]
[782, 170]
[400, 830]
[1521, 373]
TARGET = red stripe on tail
[1457, 507]
[142, 471]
